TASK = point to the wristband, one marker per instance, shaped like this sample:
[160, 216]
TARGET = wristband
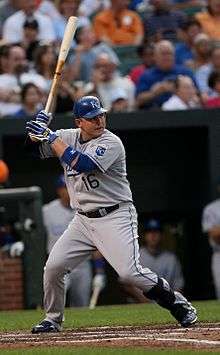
[69, 155]
[52, 137]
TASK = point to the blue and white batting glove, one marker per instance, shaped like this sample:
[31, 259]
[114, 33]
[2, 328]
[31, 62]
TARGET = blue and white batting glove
[44, 118]
[40, 133]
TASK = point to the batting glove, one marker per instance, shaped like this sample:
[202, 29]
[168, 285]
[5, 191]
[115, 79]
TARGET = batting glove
[40, 133]
[44, 118]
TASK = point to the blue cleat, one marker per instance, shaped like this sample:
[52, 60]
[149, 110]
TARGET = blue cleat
[45, 327]
[183, 311]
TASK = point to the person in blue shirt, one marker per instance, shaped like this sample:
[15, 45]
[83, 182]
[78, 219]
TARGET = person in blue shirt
[184, 49]
[156, 85]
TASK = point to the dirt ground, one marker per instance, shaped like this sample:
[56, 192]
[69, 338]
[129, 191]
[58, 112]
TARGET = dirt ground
[202, 336]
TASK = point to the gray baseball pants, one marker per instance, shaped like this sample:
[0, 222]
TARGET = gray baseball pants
[114, 235]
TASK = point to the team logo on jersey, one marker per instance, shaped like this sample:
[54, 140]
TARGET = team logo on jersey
[100, 151]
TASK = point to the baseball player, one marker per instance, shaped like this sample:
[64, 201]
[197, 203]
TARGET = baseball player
[211, 227]
[94, 166]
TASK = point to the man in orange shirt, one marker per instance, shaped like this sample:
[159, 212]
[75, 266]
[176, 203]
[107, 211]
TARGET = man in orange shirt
[210, 19]
[118, 25]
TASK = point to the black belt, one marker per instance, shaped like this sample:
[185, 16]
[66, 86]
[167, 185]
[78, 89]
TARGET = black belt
[101, 212]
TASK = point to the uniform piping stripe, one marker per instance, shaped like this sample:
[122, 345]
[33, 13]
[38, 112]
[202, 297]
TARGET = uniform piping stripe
[135, 260]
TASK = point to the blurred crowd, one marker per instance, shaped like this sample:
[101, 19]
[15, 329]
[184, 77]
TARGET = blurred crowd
[137, 54]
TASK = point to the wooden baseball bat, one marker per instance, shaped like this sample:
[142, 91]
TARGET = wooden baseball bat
[64, 49]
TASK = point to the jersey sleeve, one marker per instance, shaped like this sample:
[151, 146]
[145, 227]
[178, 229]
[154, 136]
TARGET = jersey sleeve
[105, 152]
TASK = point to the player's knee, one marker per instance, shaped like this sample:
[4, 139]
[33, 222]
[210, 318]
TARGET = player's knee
[54, 268]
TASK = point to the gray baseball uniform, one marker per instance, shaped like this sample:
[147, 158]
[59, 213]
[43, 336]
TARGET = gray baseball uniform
[210, 219]
[78, 282]
[113, 234]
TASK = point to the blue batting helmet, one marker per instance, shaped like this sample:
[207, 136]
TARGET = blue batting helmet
[88, 107]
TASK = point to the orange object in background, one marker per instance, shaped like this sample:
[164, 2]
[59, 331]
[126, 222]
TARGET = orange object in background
[4, 172]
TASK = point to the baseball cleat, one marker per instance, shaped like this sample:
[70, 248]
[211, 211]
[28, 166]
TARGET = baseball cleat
[45, 327]
[183, 311]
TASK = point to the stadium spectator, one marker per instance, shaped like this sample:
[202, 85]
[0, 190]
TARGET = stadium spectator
[4, 49]
[31, 99]
[160, 260]
[156, 84]
[211, 228]
[90, 7]
[202, 48]
[48, 8]
[214, 84]
[119, 101]
[163, 23]
[118, 25]
[106, 79]
[138, 5]
[13, 26]
[30, 37]
[209, 19]
[184, 48]
[16, 74]
[203, 72]
[66, 9]
[67, 93]
[145, 52]
[86, 52]
[7, 8]
[45, 62]
[184, 97]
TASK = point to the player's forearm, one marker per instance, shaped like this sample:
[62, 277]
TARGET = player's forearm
[64, 152]
[75, 159]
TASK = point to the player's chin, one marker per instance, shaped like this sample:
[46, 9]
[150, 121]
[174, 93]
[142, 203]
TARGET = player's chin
[98, 131]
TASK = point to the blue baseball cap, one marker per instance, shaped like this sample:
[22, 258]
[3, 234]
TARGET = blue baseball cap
[152, 225]
[60, 182]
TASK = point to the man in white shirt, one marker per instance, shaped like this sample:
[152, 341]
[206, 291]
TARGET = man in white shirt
[184, 97]
[107, 78]
[13, 26]
[14, 78]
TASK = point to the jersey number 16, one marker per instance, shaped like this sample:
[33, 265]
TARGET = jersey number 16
[90, 182]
